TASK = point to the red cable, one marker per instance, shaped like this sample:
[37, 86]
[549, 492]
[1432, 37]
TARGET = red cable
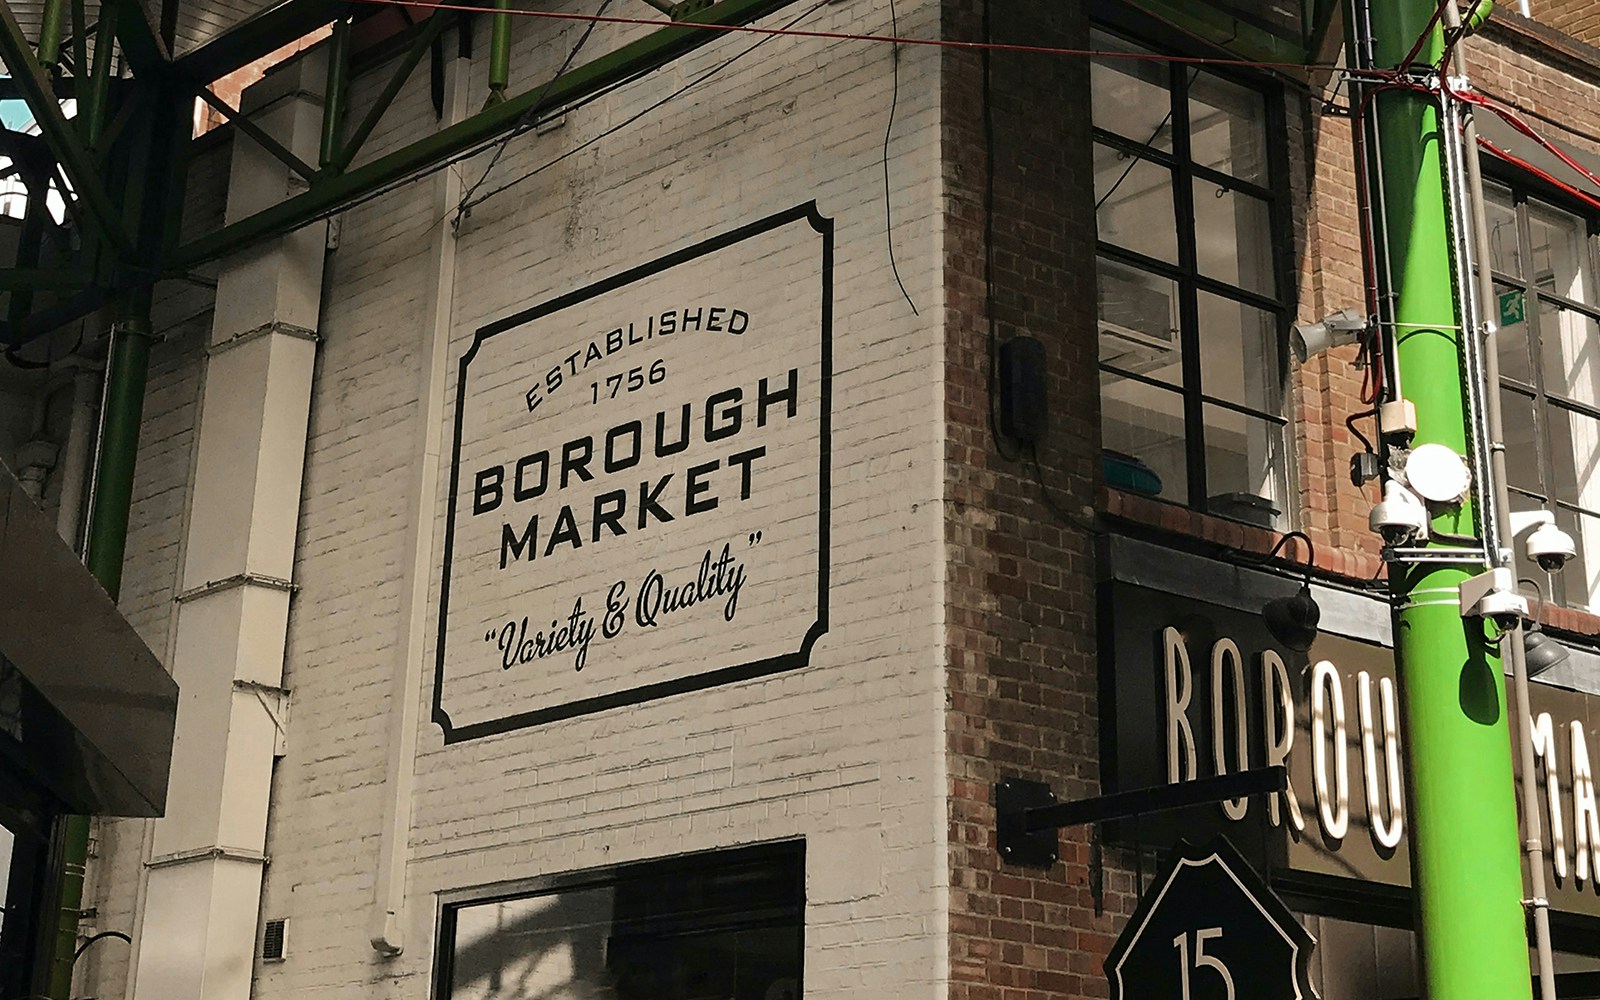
[1422, 39]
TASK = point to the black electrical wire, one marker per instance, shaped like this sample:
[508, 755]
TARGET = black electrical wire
[708, 74]
[988, 241]
[894, 102]
[465, 207]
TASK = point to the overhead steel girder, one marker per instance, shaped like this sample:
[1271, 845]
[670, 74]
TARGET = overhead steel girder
[146, 53]
[58, 134]
[328, 193]
[255, 37]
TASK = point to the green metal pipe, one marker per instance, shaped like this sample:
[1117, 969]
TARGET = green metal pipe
[499, 52]
[1465, 861]
[333, 99]
[100, 75]
[112, 497]
[50, 34]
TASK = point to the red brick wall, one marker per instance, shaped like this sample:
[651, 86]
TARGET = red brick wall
[1578, 18]
[1020, 598]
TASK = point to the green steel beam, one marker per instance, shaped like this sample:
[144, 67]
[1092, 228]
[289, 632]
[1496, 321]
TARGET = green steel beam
[50, 32]
[146, 53]
[256, 36]
[69, 152]
[254, 131]
[95, 100]
[397, 79]
[328, 194]
[42, 279]
[336, 91]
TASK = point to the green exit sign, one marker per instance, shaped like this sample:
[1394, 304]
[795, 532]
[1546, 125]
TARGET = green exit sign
[1513, 308]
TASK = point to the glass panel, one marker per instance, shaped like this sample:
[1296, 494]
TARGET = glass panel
[1574, 457]
[1580, 579]
[1240, 346]
[1569, 346]
[1511, 343]
[1505, 250]
[1227, 128]
[1141, 429]
[717, 932]
[1560, 252]
[1131, 97]
[1245, 467]
[1133, 204]
[6, 842]
[1233, 238]
[1139, 322]
[1522, 442]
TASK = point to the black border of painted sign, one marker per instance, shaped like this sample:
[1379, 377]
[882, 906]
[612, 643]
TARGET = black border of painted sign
[695, 682]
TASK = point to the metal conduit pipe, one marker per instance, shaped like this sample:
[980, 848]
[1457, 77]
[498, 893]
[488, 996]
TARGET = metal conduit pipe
[387, 926]
[126, 374]
[1533, 825]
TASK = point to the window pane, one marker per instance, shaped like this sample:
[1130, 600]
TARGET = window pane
[1133, 204]
[1139, 322]
[1227, 128]
[1233, 237]
[1574, 455]
[1141, 429]
[1131, 97]
[1521, 441]
[666, 934]
[1581, 577]
[1245, 467]
[1505, 251]
[1511, 342]
[1239, 345]
[1560, 252]
[1569, 345]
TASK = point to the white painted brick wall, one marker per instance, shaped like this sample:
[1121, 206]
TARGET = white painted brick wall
[848, 752]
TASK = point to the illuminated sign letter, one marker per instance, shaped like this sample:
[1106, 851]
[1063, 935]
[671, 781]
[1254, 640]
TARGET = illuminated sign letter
[1333, 805]
[1180, 688]
[1226, 661]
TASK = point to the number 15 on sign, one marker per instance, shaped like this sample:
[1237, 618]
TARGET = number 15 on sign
[1201, 960]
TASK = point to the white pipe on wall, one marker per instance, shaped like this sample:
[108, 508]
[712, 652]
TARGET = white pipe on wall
[387, 930]
[75, 458]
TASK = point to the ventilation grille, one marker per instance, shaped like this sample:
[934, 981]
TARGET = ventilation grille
[274, 940]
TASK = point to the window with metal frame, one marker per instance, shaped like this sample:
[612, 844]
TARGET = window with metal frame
[724, 925]
[1190, 211]
[1544, 260]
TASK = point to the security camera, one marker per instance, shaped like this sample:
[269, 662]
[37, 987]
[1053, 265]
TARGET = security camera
[1493, 595]
[1333, 330]
[1400, 517]
[1550, 547]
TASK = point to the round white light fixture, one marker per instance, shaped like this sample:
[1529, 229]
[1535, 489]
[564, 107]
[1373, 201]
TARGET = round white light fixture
[1437, 473]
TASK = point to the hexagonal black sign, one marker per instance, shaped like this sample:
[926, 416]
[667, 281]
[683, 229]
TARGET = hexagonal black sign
[1210, 929]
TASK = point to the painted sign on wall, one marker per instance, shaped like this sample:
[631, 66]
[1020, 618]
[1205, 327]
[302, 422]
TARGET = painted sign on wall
[639, 485]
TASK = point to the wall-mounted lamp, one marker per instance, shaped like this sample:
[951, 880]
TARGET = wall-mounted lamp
[1333, 330]
[1293, 620]
[1539, 651]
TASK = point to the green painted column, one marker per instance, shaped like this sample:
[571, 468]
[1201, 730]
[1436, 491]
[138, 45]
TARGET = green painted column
[1465, 858]
[126, 373]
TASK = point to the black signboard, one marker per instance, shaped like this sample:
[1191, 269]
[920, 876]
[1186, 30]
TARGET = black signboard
[1210, 929]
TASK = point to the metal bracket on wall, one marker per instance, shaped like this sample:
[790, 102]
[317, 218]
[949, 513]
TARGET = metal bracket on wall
[1027, 815]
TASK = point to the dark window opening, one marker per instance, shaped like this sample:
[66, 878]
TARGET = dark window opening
[726, 925]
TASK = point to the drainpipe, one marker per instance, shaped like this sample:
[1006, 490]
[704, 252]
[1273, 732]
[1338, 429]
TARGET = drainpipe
[126, 373]
[387, 929]
[1533, 823]
[75, 457]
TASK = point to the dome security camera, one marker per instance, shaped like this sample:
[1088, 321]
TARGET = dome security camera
[1550, 547]
[1400, 517]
